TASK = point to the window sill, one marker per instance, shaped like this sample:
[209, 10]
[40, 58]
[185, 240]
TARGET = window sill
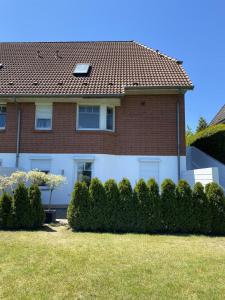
[95, 131]
[2, 129]
[43, 130]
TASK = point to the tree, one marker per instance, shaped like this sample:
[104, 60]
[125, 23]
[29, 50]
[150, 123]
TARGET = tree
[168, 205]
[22, 207]
[216, 200]
[141, 192]
[111, 205]
[37, 211]
[184, 215]
[126, 210]
[5, 211]
[53, 181]
[201, 210]
[155, 206]
[202, 124]
[97, 202]
[78, 212]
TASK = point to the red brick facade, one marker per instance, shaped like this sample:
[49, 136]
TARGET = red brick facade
[145, 125]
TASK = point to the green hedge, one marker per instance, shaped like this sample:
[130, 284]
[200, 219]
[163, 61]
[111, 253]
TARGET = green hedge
[211, 141]
[119, 208]
[22, 211]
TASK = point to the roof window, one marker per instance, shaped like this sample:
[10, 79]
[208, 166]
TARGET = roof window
[81, 69]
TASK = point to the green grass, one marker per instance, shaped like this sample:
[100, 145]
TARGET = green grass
[67, 265]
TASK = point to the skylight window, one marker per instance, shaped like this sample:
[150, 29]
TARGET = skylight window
[81, 69]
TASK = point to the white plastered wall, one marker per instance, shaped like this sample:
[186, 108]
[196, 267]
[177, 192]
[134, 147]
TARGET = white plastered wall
[104, 167]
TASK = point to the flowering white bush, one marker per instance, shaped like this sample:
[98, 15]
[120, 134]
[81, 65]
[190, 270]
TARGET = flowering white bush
[34, 177]
[18, 177]
[37, 177]
[5, 182]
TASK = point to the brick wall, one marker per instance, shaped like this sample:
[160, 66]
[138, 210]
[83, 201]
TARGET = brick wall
[145, 125]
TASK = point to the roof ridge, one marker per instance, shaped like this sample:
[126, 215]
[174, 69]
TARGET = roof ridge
[56, 42]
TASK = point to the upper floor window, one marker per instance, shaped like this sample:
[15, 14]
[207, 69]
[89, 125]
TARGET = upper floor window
[2, 116]
[95, 117]
[89, 117]
[43, 117]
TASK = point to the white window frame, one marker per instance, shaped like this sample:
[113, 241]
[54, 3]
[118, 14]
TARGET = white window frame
[4, 105]
[102, 117]
[49, 105]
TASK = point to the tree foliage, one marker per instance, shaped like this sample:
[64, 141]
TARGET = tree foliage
[202, 124]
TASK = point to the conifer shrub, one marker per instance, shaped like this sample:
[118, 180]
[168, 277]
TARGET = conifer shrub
[141, 192]
[6, 211]
[126, 211]
[155, 224]
[216, 200]
[111, 205]
[98, 210]
[201, 210]
[168, 205]
[23, 217]
[37, 210]
[78, 212]
[184, 216]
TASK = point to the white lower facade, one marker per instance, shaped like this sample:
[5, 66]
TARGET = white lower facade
[103, 166]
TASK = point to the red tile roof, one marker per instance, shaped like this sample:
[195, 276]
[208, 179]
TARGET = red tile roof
[46, 68]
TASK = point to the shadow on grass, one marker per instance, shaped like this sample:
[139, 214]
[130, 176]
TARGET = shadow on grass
[152, 233]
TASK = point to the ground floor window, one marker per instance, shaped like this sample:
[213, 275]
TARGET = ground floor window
[84, 171]
[149, 169]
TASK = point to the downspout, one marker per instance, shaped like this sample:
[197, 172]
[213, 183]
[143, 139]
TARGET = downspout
[18, 115]
[178, 139]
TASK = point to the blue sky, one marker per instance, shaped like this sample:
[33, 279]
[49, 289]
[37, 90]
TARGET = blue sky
[190, 30]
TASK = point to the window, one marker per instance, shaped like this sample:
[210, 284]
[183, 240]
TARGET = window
[149, 169]
[2, 116]
[89, 117]
[109, 118]
[81, 69]
[95, 117]
[84, 171]
[43, 117]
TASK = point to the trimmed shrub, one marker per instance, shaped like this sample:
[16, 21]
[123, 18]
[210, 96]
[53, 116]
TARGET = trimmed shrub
[126, 211]
[37, 210]
[216, 200]
[6, 211]
[23, 218]
[184, 217]
[201, 210]
[141, 192]
[168, 205]
[111, 205]
[98, 209]
[155, 224]
[211, 141]
[78, 212]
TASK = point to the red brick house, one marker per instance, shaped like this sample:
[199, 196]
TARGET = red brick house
[105, 109]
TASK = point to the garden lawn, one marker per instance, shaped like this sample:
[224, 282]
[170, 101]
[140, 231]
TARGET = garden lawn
[61, 264]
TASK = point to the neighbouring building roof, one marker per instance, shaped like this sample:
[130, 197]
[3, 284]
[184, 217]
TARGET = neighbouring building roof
[219, 117]
[46, 68]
